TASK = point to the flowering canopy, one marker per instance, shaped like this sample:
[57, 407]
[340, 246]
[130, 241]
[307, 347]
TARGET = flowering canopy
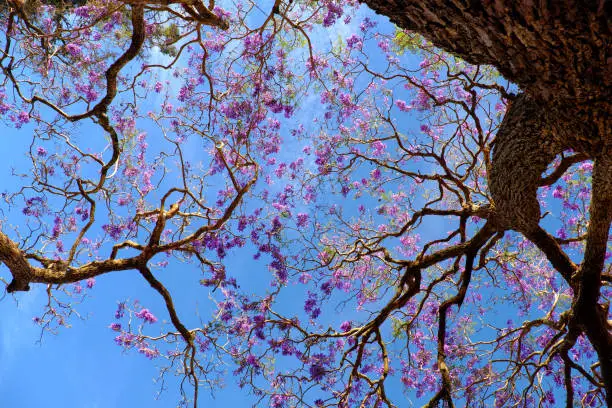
[348, 160]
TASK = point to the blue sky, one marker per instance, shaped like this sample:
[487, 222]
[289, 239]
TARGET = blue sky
[81, 366]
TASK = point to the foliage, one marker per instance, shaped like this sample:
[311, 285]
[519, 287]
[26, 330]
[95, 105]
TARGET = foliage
[347, 158]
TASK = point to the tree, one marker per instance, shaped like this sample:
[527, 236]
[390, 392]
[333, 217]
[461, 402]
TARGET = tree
[341, 208]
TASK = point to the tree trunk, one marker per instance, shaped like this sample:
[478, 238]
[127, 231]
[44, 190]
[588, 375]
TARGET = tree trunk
[555, 49]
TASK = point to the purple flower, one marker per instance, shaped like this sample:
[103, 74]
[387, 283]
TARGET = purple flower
[253, 43]
[22, 118]
[57, 227]
[73, 49]
[310, 306]
[345, 326]
[125, 339]
[146, 315]
[120, 310]
[583, 193]
[222, 13]
[124, 200]
[422, 101]
[326, 287]
[4, 108]
[278, 401]
[549, 397]
[354, 41]
[252, 361]
[586, 166]
[367, 24]
[379, 147]
[334, 11]
[41, 152]
[561, 233]
[302, 219]
[84, 11]
[114, 230]
[184, 93]
[287, 349]
[317, 371]
[149, 352]
[402, 105]
[558, 192]
[83, 212]
[115, 327]
[590, 400]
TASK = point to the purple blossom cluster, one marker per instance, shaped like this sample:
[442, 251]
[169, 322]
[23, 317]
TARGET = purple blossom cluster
[115, 231]
[311, 306]
[146, 316]
[35, 206]
[334, 11]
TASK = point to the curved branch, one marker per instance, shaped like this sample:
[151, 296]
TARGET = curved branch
[560, 170]
[54, 272]
[553, 251]
[161, 289]
[138, 38]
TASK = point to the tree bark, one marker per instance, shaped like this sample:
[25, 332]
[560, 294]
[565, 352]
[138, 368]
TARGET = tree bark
[555, 49]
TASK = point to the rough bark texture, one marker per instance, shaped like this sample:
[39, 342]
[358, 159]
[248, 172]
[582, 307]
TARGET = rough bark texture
[559, 53]
[537, 44]
[520, 155]
[13, 258]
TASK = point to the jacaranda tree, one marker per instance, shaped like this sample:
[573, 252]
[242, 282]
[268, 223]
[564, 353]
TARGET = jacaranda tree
[427, 206]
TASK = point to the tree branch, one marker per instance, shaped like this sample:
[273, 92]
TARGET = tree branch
[560, 170]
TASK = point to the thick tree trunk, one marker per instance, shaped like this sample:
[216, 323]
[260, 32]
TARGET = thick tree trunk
[555, 49]
[558, 52]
